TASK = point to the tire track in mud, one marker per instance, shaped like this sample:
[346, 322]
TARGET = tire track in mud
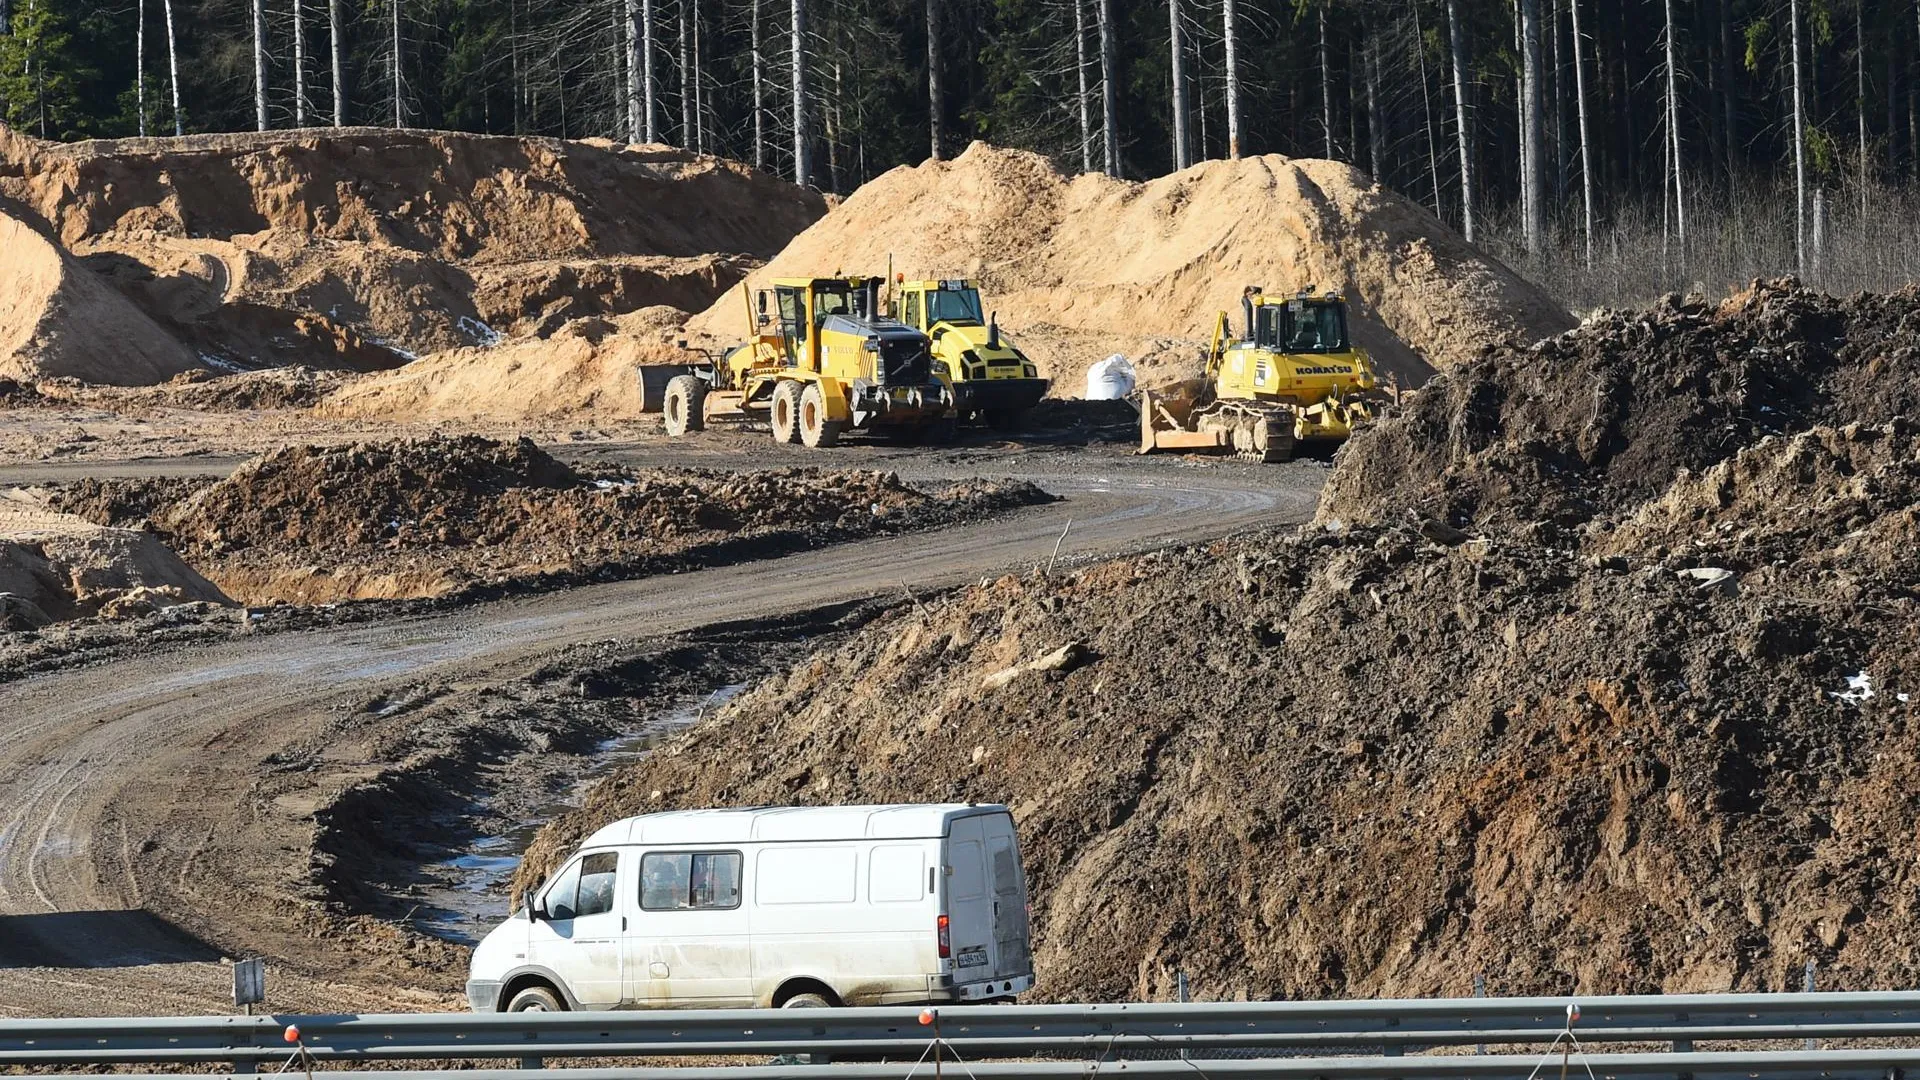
[119, 750]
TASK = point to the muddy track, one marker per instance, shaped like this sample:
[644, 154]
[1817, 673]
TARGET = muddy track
[147, 827]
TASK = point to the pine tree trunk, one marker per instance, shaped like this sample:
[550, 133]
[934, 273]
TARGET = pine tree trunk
[260, 65]
[173, 69]
[299, 66]
[1860, 95]
[649, 107]
[1177, 51]
[636, 127]
[1109, 90]
[1799, 145]
[934, 96]
[801, 174]
[1080, 73]
[759, 93]
[399, 84]
[1586, 152]
[1730, 118]
[1533, 133]
[699, 85]
[1426, 110]
[1376, 121]
[1326, 85]
[1463, 115]
[1232, 35]
[686, 83]
[1559, 110]
[1678, 158]
[140, 66]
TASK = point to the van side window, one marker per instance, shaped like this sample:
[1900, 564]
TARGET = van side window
[596, 883]
[561, 894]
[896, 873]
[690, 880]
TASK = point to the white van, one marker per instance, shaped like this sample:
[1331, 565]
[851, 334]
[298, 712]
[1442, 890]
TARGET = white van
[776, 907]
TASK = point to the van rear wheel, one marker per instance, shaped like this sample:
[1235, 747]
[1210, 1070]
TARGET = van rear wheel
[536, 999]
[806, 1001]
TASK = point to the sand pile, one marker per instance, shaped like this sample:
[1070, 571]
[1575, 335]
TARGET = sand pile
[436, 517]
[55, 567]
[584, 370]
[1079, 267]
[58, 319]
[1667, 750]
[364, 247]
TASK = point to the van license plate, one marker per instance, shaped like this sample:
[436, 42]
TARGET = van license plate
[970, 958]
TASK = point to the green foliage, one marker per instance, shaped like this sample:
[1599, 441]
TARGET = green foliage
[42, 75]
[1757, 34]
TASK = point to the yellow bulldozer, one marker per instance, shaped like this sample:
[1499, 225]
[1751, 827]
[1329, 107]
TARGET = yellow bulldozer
[820, 359]
[991, 379]
[1295, 378]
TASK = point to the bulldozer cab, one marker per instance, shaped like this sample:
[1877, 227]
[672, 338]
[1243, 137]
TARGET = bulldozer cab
[1300, 324]
[923, 304]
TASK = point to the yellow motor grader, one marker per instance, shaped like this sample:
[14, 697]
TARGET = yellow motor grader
[991, 379]
[1295, 377]
[820, 360]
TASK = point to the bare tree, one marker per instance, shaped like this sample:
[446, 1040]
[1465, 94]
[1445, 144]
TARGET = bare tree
[1860, 95]
[699, 87]
[1080, 73]
[1457, 41]
[759, 94]
[140, 66]
[630, 36]
[260, 64]
[1673, 136]
[173, 68]
[1376, 119]
[1180, 157]
[799, 61]
[337, 46]
[1586, 153]
[299, 66]
[399, 84]
[1326, 83]
[649, 128]
[933, 76]
[1799, 144]
[1109, 90]
[686, 85]
[1231, 32]
[1533, 135]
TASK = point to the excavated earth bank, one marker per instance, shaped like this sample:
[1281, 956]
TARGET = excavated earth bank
[358, 248]
[1597, 674]
[450, 515]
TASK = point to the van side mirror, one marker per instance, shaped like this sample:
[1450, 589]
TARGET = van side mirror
[532, 907]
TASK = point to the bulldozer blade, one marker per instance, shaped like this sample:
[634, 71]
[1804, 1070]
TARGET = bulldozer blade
[1160, 432]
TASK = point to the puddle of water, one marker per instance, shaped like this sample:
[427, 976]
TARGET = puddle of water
[468, 897]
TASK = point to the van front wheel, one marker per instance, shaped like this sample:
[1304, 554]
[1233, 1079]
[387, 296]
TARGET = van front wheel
[806, 1001]
[536, 999]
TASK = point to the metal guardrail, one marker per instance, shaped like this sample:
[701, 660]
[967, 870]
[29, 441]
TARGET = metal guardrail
[1373, 1033]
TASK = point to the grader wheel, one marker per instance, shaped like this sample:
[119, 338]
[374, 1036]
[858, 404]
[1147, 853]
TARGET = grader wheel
[683, 409]
[815, 429]
[786, 412]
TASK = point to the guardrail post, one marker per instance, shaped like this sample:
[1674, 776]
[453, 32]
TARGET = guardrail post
[533, 1062]
[1812, 965]
[1479, 991]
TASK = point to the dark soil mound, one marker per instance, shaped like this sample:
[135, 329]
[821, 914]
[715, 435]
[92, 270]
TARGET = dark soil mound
[434, 517]
[1609, 414]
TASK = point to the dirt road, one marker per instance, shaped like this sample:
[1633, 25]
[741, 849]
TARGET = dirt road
[156, 812]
